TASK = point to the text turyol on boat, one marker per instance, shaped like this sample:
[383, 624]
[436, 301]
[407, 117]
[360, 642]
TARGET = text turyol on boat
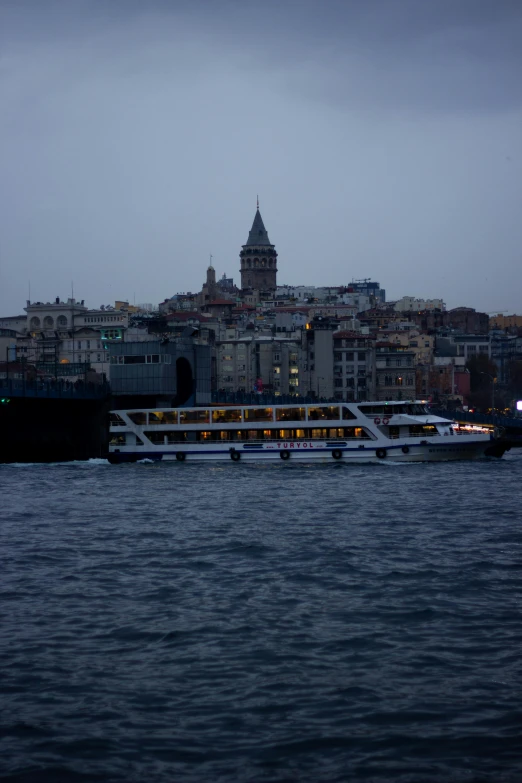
[355, 432]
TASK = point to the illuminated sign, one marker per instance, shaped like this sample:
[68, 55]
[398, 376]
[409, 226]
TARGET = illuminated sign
[519, 405]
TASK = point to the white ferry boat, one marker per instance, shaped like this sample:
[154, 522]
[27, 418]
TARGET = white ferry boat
[352, 432]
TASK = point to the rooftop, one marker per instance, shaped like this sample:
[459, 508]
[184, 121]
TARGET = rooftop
[258, 234]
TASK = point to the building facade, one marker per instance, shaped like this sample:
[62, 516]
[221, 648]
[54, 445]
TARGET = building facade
[258, 363]
[161, 373]
[394, 372]
[354, 366]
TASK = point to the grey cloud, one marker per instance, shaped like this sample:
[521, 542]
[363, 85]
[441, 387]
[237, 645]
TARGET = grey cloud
[439, 55]
[384, 138]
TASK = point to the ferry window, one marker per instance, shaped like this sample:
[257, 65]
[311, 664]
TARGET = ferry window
[176, 437]
[259, 414]
[205, 435]
[167, 417]
[336, 432]
[254, 435]
[268, 434]
[118, 440]
[319, 433]
[285, 434]
[193, 417]
[372, 410]
[162, 417]
[226, 415]
[138, 417]
[423, 429]
[347, 414]
[155, 436]
[116, 420]
[223, 435]
[238, 435]
[324, 412]
[290, 414]
[300, 434]
[356, 432]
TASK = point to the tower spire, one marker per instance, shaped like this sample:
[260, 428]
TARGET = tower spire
[258, 258]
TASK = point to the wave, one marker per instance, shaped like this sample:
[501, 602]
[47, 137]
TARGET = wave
[94, 461]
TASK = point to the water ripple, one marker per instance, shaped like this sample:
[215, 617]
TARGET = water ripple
[261, 623]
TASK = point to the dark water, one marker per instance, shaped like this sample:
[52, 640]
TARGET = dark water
[261, 623]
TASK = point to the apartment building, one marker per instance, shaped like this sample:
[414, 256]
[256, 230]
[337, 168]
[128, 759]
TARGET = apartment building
[259, 362]
[394, 372]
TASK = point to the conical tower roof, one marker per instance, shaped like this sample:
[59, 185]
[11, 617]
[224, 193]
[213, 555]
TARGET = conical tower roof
[258, 234]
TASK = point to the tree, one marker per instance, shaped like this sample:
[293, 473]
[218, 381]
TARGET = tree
[483, 373]
[515, 379]
[480, 367]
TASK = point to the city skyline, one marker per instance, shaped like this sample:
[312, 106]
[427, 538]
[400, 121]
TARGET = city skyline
[386, 145]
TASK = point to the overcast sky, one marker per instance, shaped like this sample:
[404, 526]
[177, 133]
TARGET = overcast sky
[384, 138]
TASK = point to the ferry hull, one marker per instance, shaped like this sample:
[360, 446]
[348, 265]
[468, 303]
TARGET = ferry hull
[432, 452]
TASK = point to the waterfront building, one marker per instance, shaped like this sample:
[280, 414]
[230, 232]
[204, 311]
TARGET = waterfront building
[354, 366]
[336, 363]
[65, 338]
[412, 304]
[7, 345]
[15, 323]
[394, 372]
[445, 380]
[161, 373]
[188, 302]
[505, 349]
[209, 290]
[257, 362]
[316, 357]
[409, 336]
[369, 288]
[462, 319]
[471, 345]
[504, 322]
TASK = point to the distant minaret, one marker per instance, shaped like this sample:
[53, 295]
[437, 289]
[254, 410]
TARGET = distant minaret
[211, 281]
[258, 258]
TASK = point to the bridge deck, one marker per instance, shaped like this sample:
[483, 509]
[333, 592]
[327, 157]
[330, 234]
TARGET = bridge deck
[482, 418]
[54, 390]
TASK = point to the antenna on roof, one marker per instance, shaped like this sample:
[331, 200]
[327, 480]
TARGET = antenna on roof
[258, 202]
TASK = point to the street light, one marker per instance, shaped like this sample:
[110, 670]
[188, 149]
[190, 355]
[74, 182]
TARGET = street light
[492, 379]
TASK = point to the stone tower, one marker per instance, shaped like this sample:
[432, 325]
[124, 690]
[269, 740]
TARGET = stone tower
[258, 259]
[211, 280]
